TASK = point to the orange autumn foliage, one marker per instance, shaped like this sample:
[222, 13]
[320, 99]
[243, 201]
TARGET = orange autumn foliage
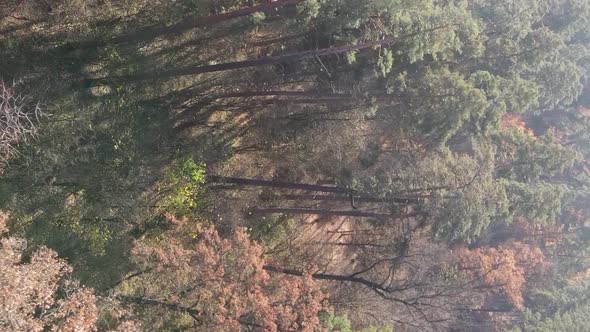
[28, 291]
[515, 121]
[224, 282]
[502, 270]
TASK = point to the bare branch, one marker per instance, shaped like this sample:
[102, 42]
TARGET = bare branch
[18, 120]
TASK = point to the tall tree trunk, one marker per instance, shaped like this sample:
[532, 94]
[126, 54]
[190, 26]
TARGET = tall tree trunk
[264, 61]
[331, 213]
[278, 184]
[310, 96]
[367, 197]
[356, 198]
[326, 276]
[288, 93]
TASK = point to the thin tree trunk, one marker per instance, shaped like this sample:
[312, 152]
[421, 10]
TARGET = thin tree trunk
[368, 197]
[310, 95]
[272, 93]
[304, 101]
[357, 198]
[129, 276]
[487, 309]
[325, 276]
[279, 184]
[322, 212]
[334, 213]
[346, 244]
[264, 61]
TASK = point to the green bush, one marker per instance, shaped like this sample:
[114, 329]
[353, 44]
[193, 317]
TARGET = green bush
[335, 323]
[271, 230]
[341, 323]
[257, 18]
[183, 191]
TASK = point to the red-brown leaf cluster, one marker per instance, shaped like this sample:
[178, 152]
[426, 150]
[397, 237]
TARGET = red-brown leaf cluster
[504, 270]
[515, 121]
[28, 291]
[225, 284]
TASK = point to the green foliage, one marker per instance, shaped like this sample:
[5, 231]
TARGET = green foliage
[576, 320]
[561, 296]
[526, 158]
[272, 230]
[350, 57]
[539, 202]
[78, 187]
[182, 188]
[120, 62]
[520, 95]
[335, 323]
[308, 10]
[351, 20]
[470, 203]
[444, 102]
[507, 94]
[257, 18]
[385, 62]
[82, 186]
[561, 82]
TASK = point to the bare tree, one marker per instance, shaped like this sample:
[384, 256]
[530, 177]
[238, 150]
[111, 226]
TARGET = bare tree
[413, 282]
[18, 120]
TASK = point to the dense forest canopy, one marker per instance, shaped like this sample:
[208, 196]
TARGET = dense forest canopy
[295, 165]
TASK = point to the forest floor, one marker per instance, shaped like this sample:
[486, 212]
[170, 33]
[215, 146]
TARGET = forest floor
[141, 120]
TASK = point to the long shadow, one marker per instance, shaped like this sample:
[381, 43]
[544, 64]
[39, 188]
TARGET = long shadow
[79, 188]
[20, 27]
[80, 185]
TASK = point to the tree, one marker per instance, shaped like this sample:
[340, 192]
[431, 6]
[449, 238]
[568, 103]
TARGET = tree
[221, 284]
[369, 19]
[18, 120]
[575, 320]
[413, 279]
[539, 202]
[564, 308]
[38, 295]
[347, 195]
[278, 184]
[263, 61]
[460, 196]
[561, 80]
[332, 213]
[502, 270]
[532, 169]
[442, 102]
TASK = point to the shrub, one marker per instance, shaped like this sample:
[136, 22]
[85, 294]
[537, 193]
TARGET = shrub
[182, 190]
